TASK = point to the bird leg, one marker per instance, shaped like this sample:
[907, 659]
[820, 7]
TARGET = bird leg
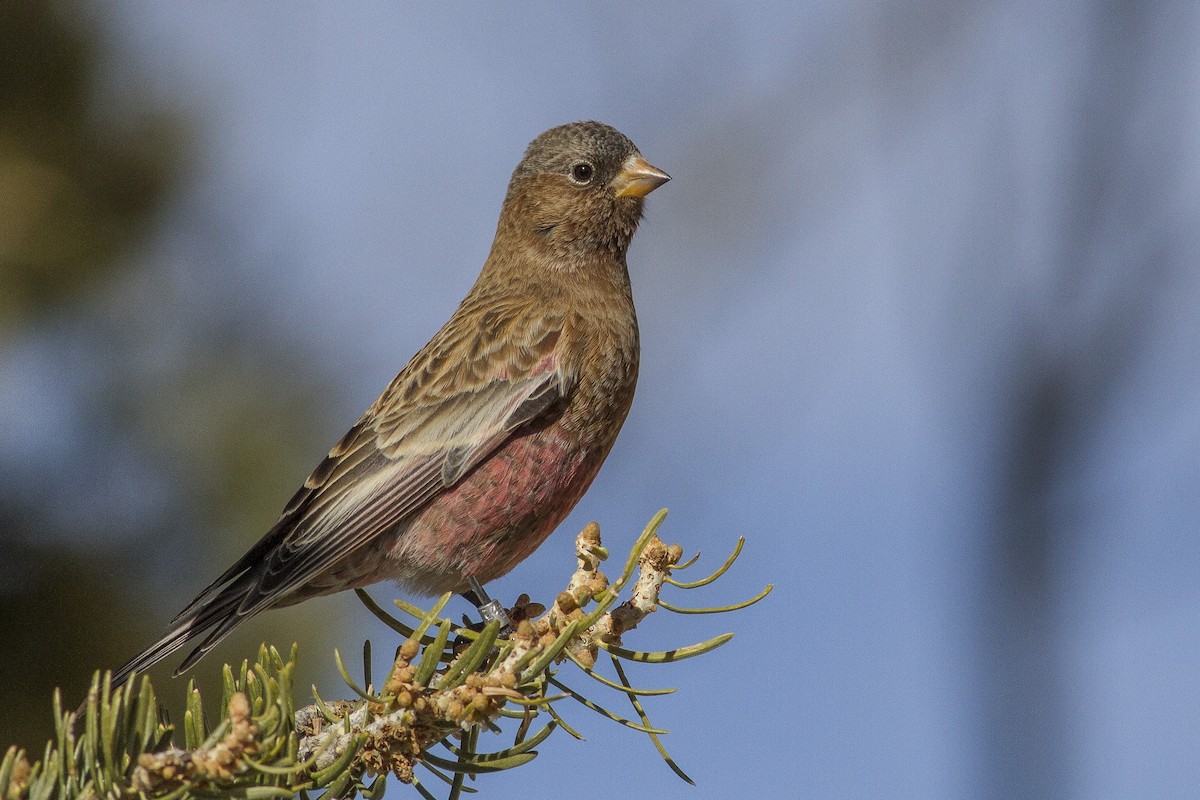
[489, 609]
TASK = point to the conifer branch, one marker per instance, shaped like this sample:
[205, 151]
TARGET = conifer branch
[448, 684]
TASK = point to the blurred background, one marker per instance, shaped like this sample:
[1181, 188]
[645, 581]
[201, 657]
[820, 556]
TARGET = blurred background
[918, 317]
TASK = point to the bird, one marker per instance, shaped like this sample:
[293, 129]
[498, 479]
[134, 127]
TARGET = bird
[492, 432]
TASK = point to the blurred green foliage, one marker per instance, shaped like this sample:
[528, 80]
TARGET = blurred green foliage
[73, 194]
[224, 422]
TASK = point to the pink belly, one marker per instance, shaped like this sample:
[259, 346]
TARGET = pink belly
[495, 517]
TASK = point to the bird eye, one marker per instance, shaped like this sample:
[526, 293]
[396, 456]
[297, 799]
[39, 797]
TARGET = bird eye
[582, 172]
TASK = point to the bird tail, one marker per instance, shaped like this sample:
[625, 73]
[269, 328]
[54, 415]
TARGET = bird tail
[214, 620]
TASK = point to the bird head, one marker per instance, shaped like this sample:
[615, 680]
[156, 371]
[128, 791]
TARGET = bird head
[578, 193]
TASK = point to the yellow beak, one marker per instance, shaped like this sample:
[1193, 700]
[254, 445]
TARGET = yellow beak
[638, 178]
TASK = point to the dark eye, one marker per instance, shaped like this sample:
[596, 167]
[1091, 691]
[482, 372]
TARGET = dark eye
[582, 172]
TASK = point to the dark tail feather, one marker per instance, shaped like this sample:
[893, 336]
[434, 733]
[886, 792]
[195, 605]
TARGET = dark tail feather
[221, 609]
[231, 617]
[219, 613]
[235, 576]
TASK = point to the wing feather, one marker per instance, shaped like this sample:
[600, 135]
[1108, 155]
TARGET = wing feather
[426, 431]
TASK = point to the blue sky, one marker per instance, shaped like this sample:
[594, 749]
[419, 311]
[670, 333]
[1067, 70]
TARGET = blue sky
[886, 224]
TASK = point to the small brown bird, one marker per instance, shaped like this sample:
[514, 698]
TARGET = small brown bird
[489, 436]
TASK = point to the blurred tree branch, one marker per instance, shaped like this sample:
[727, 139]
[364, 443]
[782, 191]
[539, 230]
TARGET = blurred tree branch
[75, 193]
[133, 411]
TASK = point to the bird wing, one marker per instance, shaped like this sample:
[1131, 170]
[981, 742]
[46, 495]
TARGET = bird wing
[461, 397]
[383, 478]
